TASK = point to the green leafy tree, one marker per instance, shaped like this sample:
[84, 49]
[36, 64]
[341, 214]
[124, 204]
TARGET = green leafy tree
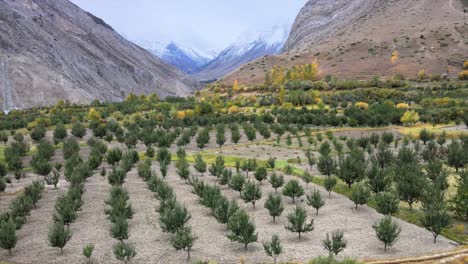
[456, 155]
[387, 203]
[410, 183]
[78, 130]
[200, 164]
[459, 202]
[60, 132]
[88, 251]
[360, 194]
[172, 219]
[326, 165]
[7, 235]
[260, 174]
[119, 228]
[38, 132]
[425, 135]
[436, 216]
[276, 181]
[237, 182]
[273, 248]
[113, 156]
[274, 205]
[352, 167]
[334, 243]
[297, 221]
[203, 138]
[241, 228]
[70, 148]
[387, 231]
[220, 138]
[235, 134]
[183, 239]
[124, 251]
[65, 210]
[58, 236]
[251, 193]
[378, 179]
[293, 189]
[315, 200]
[329, 183]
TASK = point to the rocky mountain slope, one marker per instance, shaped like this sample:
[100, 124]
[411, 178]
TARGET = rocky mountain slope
[356, 39]
[51, 49]
[237, 54]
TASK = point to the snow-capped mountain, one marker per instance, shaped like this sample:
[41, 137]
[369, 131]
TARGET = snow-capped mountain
[244, 51]
[188, 60]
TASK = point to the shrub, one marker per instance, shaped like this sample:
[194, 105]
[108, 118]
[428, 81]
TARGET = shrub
[88, 251]
[124, 251]
[7, 235]
[273, 247]
[183, 239]
[241, 228]
[315, 200]
[251, 193]
[297, 221]
[59, 236]
[334, 243]
[274, 205]
[387, 231]
[293, 189]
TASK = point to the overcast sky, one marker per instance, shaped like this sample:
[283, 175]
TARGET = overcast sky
[202, 24]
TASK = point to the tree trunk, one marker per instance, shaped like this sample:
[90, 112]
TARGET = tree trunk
[61, 251]
[385, 247]
[188, 255]
[299, 235]
[274, 260]
[253, 204]
[293, 200]
[329, 194]
[316, 213]
[9, 251]
[435, 238]
[274, 219]
[245, 246]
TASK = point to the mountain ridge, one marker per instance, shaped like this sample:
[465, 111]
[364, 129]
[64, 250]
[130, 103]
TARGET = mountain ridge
[54, 50]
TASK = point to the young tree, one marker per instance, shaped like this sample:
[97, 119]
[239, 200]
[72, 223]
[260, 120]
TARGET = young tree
[88, 252]
[183, 169]
[183, 239]
[60, 132]
[326, 165]
[297, 221]
[273, 247]
[241, 228]
[237, 182]
[352, 167]
[220, 138]
[113, 156]
[315, 200]
[260, 174]
[329, 183]
[360, 194]
[124, 252]
[377, 179]
[425, 136]
[58, 236]
[203, 138]
[78, 130]
[276, 181]
[251, 193]
[274, 205]
[119, 229]
[293, 189]
[235, 134]
[173, 219]
[410, 182]
[65, 210]
[387, 231]
[387, 203]
[7, 235]
[436, 216]
[200, 164]
[459, 202]
[455, 155]
[334, 243]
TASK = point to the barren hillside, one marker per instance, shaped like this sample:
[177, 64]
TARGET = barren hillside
[356, 38]
[54, 50]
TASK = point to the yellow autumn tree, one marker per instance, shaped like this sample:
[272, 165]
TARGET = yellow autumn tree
[235, 86]
[410, 117]
[281, 95]
[394, 57]
[93, 115]
[362, 105]
[402, 106]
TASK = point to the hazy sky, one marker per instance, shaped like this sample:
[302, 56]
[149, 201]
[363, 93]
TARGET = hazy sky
[202, 24]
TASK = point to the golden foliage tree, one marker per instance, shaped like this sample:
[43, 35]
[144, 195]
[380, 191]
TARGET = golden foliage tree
[410, 117]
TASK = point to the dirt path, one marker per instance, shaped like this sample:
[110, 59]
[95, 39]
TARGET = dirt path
[151, 243]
